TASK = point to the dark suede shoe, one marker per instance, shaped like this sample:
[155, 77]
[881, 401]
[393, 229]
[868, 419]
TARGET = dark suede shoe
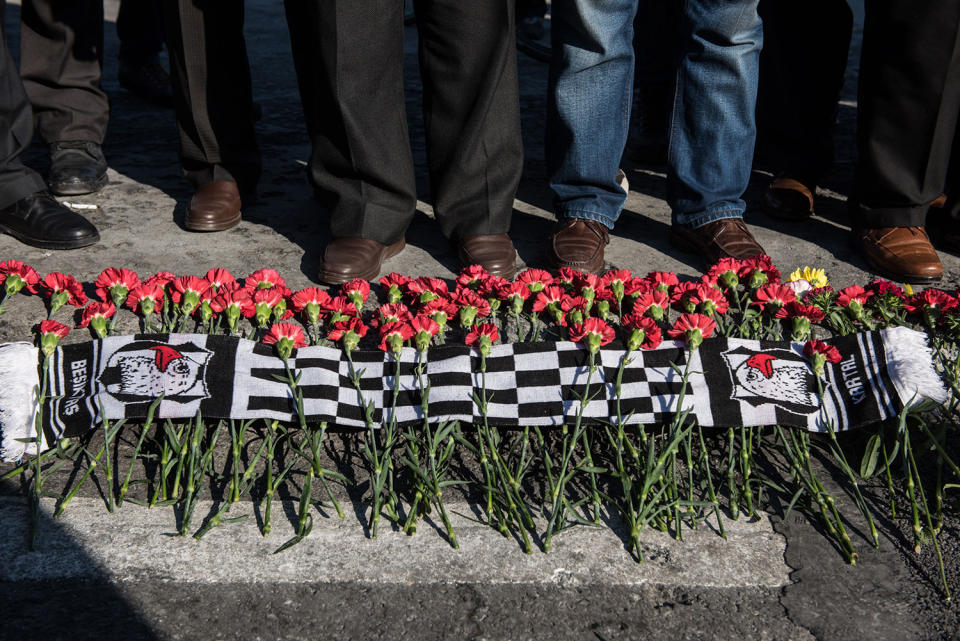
[493, 252]
[725, 238]
[215, 207]
[578, 244]
[147, 80]
[347, 258]
[39, 220]
[901, 253]
[76, 168]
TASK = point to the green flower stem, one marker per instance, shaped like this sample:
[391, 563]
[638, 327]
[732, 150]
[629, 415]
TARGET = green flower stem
[839, 456]
[267, 502]
[557, 495]
[246, 482]
[926, 511]
[732, 488]
[94, 461]
[705, 463]
[145, 428]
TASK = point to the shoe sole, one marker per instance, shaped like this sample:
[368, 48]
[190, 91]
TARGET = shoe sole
[49, 244]
[71, 189]
[339, 279]
[220, 226]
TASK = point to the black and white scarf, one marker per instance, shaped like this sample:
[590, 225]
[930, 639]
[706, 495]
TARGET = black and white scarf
[535, 384]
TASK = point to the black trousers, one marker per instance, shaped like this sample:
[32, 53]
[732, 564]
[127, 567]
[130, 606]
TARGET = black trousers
[908, 107]
[16, 130]
[61, 57]
[349, 59]
[800, 82]
[212, 93]
[140, 30]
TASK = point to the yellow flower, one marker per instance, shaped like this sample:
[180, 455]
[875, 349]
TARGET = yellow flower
[817, 277]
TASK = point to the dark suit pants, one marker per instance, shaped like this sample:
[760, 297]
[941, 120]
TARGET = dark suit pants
[61, 56]
[908, 107]
[212, 92]
[16, 130]
[349, 58]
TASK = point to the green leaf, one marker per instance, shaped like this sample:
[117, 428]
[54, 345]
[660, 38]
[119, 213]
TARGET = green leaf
[868, 465]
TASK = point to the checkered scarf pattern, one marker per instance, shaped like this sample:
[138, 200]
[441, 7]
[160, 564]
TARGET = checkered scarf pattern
[527, 384]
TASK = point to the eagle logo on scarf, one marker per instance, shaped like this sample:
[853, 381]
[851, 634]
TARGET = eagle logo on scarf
[143, 370]
[772, 376]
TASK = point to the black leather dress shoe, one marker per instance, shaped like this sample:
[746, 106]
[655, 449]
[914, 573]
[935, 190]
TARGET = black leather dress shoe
[39, 220]
[76, 168]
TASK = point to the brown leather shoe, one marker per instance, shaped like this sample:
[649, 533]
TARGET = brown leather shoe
[788, 199]
[493, 252]
[578, 244]
[725, 238]
[901, 253]
[347, 258]
[215, 207]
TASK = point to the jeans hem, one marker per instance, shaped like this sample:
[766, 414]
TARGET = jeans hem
[697, 221]
[588, 215]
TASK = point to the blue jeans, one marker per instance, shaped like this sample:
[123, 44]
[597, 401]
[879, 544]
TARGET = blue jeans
[713, 126]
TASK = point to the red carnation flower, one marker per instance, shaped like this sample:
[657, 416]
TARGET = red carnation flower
[567, 277]
[514, 293]
[393, 335]
[759, 270]
[114, 284]
[287, 337]
[392, 313]
[16, 275]
[472, 306]
[309, 302]
[726, 271]
[819, 354]
[145, 299]
[233, 304]
[220, 278]
[266, 279]
[357, 290]
[424, 329]
[95, 315]
[882, 287]
[65, 287]
[692, 328]
[549, 297]
[393, 284]
[535, 279]
[663, 281]
[425, 289]
[472, 276]
[593, 332]
[49, 333]
[708, 300]
[851, 294]
[636, 286]
[796, 309]
[482, 336]
[652, 304]
[440, 310]
[161, 278]
[930, 299]
[341, 327]
[772, 297]
[644, 331]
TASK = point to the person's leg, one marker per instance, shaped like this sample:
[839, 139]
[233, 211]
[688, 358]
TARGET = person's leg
[909, 100]
[472, 124]
[61, 56]
[800, 82]
[212, 94]
[140, 31]
[588, 106]
[27, 211]
[713, 128]
[349, 60]
[16, 131]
